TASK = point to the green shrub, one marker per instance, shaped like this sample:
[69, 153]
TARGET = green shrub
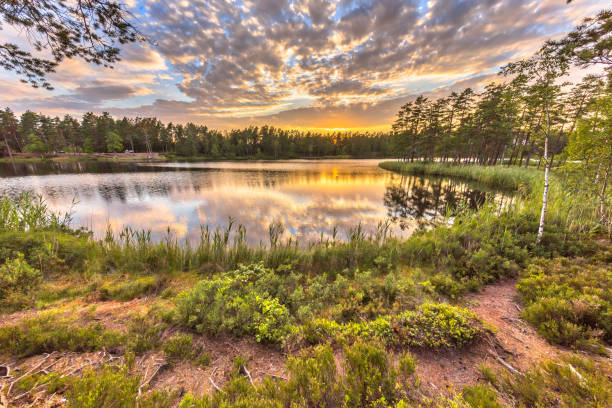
[437, 325]
[430, 325]
[17, 280]
[144, 334]
[569, 302]
[50, 252]
[370, 379]
[568, 382]
[407, 364]
[230, 303]
[182, 347]
[480, 396]
[50, 332]
[314, 381]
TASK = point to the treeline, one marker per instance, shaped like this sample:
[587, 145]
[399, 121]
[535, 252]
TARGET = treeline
[532, 112]
[36, 133]
[505, 123]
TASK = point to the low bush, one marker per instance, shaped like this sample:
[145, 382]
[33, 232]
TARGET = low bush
[371, 380]
[569, 301]
[52, 252]
[231, 303]
[568, 382]
[144, 334]
[480, 396]
[114, 387]
[17, 280]
[181, 347]
[430, 325]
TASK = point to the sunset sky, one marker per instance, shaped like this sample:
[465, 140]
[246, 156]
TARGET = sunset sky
[301, 64]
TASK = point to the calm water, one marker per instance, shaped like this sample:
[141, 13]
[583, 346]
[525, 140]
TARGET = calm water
[307, 197]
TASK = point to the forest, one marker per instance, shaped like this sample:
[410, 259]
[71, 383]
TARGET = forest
[43, 135]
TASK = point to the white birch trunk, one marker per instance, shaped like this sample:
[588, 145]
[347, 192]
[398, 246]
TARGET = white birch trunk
[545, 195]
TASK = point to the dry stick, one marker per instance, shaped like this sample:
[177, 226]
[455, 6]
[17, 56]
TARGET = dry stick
[509, 367]
[29, 372]
[3, 399]
[163, 364]
[246, 372]
[280, 377]
[212, 382]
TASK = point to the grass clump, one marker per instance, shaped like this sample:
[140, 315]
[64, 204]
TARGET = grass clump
[49, 332]
[568, 382]
[181, 347]
[131, 288]
[17, 281]
[569, 301]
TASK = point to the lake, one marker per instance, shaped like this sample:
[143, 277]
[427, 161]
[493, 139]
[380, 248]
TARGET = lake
[307, 197]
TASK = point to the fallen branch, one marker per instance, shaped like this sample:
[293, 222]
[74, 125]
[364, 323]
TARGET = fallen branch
[243, 370]
[144, 384]
[279, 377]
[215, 386]
[509, 367]
[29, 372]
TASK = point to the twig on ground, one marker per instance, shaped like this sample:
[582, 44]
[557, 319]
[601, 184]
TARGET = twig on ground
[243, 370]
[147, 382]
[508, 366]
[29, 372]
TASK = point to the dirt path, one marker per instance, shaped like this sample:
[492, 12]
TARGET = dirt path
[441, 372]
[516, 342]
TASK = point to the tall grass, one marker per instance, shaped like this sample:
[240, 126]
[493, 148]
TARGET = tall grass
[503, 178]
[28, 213]
[575, 212]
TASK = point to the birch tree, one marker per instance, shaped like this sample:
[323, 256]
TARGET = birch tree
[543, 70]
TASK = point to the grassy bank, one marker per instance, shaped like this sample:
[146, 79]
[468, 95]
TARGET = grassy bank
[503, 178]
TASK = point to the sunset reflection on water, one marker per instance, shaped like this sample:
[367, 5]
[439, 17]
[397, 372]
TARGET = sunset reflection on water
[309, 198]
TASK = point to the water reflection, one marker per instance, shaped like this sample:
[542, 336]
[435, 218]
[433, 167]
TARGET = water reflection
[308, 197]
[425, 200]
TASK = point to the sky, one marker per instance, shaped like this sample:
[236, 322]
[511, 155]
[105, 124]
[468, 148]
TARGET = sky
[306, 64]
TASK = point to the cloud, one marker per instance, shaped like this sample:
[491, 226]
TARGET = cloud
[345, 63]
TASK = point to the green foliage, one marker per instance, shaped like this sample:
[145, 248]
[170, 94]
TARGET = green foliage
[144, 334]
[131, 288]
[431, 325]
[114, 387]
[569, 382]
[29, 213]
[370, 380]
[480, 396]
[35, 144]
[438, 325]
[114, 143]
[569, 301]
[17, 280]
[49, 332]
[232, 304]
